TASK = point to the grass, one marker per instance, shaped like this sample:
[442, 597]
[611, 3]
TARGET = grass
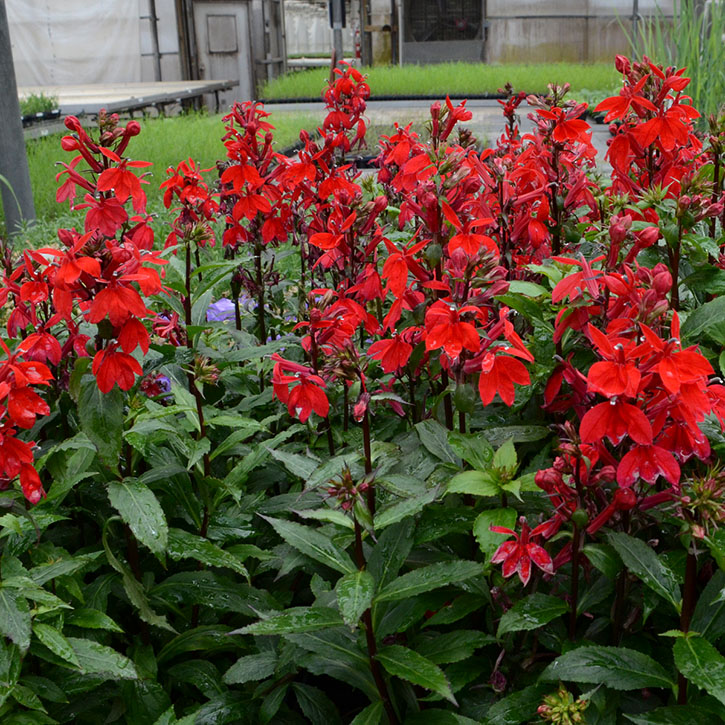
[459, 79]
[693, 40]
[37, 103]
[163, 141]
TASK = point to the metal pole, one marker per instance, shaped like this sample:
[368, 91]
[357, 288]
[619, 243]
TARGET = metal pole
[337, 29]
[635, 20]
[17, 200]
[155, 39]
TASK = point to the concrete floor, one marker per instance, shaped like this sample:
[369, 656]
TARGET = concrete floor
[487, 122]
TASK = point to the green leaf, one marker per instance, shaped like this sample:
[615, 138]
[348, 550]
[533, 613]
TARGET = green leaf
[641, 560]
[14, 616]
[202, 674]
[488, 540]
[427, 578]
[529, 289]
[371, 715]
[604, 558]
[354, 595]
[617, 667]
[27, 698]
[55, 642]
[707, 320]
[391, 551]
[410, 666]
[531, 612]
[101, 418]
[400, 510]
[505, 458]
[708, 619]
[140, 509]
[701, 664]
[96, 658]
[295, 619]
[184, 545]
[316, 706]
[706, 279]
[251, 668]
[516, 433]
[475, 483]
[673, 715]
[473, 448]
[313, 544]
[91, 619]
[208, 638]
[517, 707]
[452, 646]
[434, 438]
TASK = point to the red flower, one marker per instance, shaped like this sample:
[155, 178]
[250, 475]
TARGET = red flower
[30, 483]
[118, 302]
[445, 329]
[307, 395]
[393, 354]
[647, 463]
[517, 555]
[24, 404]
[498, 375]
[111, 366]
[615, 419]
[617, 375]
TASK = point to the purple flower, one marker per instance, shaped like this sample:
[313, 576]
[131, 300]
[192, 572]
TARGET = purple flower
[220, 311]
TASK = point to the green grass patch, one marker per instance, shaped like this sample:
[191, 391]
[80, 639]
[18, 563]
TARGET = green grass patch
[455, 79]
[163, 141]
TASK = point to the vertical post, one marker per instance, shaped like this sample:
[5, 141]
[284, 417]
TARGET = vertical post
[155, 39]
[17, 200]
[635, 28]
[336, 17]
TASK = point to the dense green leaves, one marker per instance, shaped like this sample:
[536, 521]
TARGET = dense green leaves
[297, 619]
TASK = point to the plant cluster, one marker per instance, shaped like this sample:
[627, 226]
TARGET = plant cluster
[439, 444]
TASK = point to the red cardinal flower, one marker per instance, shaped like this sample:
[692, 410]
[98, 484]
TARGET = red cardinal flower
[647, 463]
[445, 329]
[517, 555]
[614, 420]
[393, 354]
[306, 396]
[111, 366]
[498, 375]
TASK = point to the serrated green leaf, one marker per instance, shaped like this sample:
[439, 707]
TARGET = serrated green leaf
[516, 433]
[316, 706]
[410, 666]
[14, 616]
[313, 544]
[251, 668]
[434, 438]
[642, 561]
[708, 619]
[55, 642]
[27, 698]
[371, 715]
[475, 483]
[140, 509]
[473, 448]
[391, 551]
[399, 510]
[95, 658]
[620, 668]
[202, 674]
[489, 540]
[428, 578]
[452, 646]
[295, 619]
[701, 664]
[531, 612]
[673, 715]
[91, 619]
[101, 418]
[505, 458]
[706, 321]
[516, 708]
[184, 545]
[354, 595]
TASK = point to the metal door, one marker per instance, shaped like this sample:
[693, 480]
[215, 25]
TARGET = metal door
[224, 47]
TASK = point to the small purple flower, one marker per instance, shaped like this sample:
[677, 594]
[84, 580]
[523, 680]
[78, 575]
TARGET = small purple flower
[220, 311]
[164, 383]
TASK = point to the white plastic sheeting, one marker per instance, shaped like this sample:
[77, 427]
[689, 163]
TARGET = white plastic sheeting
[62, 42]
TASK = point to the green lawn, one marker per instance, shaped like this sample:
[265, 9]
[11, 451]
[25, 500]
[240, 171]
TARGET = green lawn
[459, 79]
[163, 141]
